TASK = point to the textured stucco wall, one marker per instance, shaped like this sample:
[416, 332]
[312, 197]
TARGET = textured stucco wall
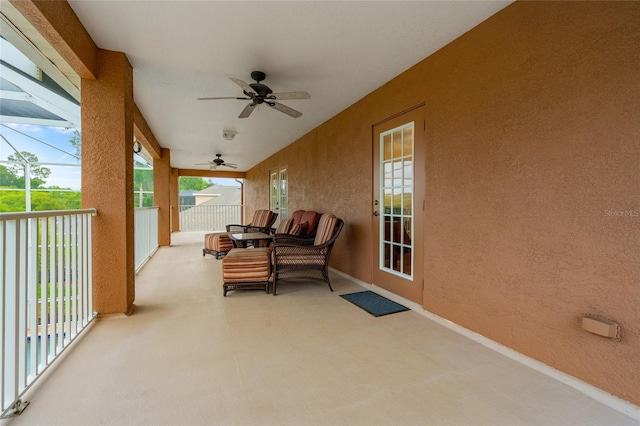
[533, 141]
[162, 195]
[145, 136]
[534, 138]
[329, 171]
[107, 180]
[175, 200]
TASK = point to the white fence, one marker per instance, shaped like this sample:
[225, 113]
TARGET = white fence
[46, 298]
[146, 234]
[205, 217]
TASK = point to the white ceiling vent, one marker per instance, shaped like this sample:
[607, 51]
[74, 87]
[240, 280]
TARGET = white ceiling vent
[228, 135]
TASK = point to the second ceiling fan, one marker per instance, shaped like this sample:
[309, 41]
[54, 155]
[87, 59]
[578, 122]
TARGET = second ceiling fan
[218, 162]
[259, 93]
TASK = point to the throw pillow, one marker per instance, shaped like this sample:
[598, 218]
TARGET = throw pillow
[299, 229]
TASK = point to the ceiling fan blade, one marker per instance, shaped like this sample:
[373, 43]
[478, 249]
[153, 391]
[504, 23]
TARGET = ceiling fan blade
[283, 108]
[231, 165]
[247, 110]
[202, 164]
[244, 86]
[221, 97]
[291, 95]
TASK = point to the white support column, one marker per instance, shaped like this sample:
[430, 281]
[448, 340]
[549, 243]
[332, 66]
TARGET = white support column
[27, 187]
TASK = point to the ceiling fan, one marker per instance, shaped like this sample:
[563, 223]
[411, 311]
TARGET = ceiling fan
[261, 94]
[218, 162]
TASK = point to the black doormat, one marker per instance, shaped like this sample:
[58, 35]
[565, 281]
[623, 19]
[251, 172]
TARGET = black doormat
[373, 303]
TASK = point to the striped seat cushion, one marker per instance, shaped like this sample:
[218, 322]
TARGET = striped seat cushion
[326, 226]
[246, 265]
[261, 218]
[218, 241]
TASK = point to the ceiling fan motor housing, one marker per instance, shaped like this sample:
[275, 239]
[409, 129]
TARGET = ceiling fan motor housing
[262, 91]
[258, 76]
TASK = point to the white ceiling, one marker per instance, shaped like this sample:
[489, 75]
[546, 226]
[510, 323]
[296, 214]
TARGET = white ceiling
[337, 51]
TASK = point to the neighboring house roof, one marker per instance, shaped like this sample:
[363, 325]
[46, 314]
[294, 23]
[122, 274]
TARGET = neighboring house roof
[215, 189]
[186, 192]
[221, 209]
[221, 195]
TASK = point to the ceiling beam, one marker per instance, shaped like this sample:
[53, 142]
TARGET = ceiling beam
[54, 67]
[143, 133]
[211, 173]
[57, 26]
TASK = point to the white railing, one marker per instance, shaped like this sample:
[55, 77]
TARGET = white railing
[146, 234]
[46, 298]
[205, 217]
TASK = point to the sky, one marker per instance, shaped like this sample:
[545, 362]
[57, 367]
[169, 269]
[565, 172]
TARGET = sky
[41, 143]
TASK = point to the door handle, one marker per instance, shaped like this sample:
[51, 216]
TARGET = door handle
[375, 213]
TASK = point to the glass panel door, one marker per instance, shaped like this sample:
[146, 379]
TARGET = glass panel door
[283, 194]
[398, 204]
[278, 185]
[396, 187]
[274, 193]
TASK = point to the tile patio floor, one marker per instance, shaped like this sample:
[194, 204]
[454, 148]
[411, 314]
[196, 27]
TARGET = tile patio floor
[188, 356]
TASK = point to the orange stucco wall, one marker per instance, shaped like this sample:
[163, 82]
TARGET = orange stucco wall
[145, 136]
[162, 195]
[174, 198]
[532, 176]
[107, 180]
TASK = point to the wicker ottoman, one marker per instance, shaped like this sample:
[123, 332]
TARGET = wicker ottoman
[246, 269]
[217, 244]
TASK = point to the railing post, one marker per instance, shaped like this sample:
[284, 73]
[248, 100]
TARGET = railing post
[10, 277]
[22, 249]
[32, 291]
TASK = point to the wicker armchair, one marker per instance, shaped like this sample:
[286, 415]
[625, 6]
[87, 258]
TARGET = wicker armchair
[218, 244]
[295, 257]
[261, 222]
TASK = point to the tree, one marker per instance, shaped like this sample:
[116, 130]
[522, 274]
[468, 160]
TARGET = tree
[142, 185]
[144, 178]
[76, 142]
[193, 183]
[8, 179]
[12, 201]
[55, 201]
[38, 173]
